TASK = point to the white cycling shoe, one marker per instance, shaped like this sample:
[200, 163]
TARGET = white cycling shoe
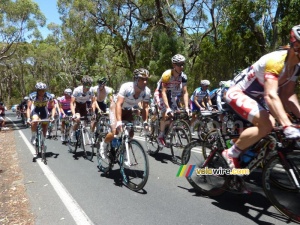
[291, 132]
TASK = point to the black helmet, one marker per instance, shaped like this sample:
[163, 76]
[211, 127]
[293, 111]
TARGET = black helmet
[87, 80]
[141, 72]
[102, 80]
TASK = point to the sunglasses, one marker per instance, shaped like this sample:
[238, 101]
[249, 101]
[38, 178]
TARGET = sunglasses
[143, 78]
[179, 64]
[87, 85]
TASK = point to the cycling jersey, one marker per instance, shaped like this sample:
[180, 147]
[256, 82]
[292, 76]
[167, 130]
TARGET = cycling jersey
[252, 79]
[64, 103]
[39, 107]
[127, 92]
[174, 88]
[249, 84]
[81, 97]
[200, 94]
[108, 93]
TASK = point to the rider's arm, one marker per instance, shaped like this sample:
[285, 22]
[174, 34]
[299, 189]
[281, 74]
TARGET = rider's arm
[53, 106]
[119, 104]
[164, 96]
[197, 103]
[185, 97]
[72, 105]
[289, 98]
[28, 109]
[145, 111]
[274, 103]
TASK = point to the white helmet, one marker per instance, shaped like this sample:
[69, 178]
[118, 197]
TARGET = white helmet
[26, 98]
[52, 95]
[178, 59]
[40, 86]
[222, 83]
[205, 82]
[295, 34]
[68, 91]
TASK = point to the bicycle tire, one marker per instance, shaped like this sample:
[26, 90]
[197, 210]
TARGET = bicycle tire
[202, 130]
[185, 125]
[209, 185]
[74, 145]
[178, 140]
[209, 141]
[136, 174]
[43, 152]
[38, 149]
[151, 142]
[87, 144]
[104, 165]
[285, 196]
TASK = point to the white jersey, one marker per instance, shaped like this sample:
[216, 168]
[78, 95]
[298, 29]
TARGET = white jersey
[252, 79]
[81, 97]
[108, 92]
[127, 92]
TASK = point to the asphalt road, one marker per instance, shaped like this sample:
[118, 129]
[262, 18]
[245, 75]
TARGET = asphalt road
[70, 190]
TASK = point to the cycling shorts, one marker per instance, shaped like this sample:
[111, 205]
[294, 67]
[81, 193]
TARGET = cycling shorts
[243, 104]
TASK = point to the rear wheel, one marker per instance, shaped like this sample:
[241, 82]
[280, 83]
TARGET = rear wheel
[104, 165]
[151, 142]
[281, 184]
[200, 177]
[134, 166]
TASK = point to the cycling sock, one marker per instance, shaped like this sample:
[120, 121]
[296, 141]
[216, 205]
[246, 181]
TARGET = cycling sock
[234, 151]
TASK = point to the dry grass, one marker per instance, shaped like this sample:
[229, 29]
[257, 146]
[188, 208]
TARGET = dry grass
[14, 204]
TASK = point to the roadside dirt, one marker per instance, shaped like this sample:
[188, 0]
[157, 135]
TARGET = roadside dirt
[14, 203]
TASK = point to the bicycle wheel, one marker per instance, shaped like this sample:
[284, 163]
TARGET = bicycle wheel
[135, 169]
[43, 151]
[281, 184]
[206, 183]
[201, 128]
[74, 145]
[151, 142]
[179, 139]
[38, 149]
[104, 165]
[87, 144]
[185, 125]
[210, 141]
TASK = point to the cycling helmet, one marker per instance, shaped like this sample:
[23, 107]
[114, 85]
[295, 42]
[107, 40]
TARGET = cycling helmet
[68, 91]
[295, 34]
[178, 59]
[87, 80]
[141, 72]
[52, 95]
[102, 80]
[40, 86]
[26, 98]
[205, 82]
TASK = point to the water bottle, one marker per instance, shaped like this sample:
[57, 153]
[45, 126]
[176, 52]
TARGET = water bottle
[248, 156]
[115, 143]
[228, 143]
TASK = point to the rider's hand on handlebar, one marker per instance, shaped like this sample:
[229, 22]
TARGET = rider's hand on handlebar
[169, 112]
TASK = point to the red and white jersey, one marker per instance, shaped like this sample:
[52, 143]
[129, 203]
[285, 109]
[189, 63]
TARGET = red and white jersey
[272, 65]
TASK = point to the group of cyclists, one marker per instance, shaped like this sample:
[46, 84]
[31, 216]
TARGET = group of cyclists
[273, 77]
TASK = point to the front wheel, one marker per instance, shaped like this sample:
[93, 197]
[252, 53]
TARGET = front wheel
[281, 182]
[134, 166]
[151, 142]
[87, 144]
[179, 139]
[201, 177]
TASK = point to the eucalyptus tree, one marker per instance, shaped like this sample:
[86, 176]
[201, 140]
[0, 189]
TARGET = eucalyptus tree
[18, 18]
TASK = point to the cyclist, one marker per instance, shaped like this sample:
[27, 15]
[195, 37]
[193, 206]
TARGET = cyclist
[2, 117]
[130, 94]
[103, 96]
[81, 95]
[65, 109]
[23, 106]
[172, 83]
[37, 109]
[200, 100]
[274, 77]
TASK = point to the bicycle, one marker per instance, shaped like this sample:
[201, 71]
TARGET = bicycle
[280, 170]
[131, 157]
[83, 140]
[53, 126]
[40, 147]
[176, 136]
[102, 128]
[67, 131]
